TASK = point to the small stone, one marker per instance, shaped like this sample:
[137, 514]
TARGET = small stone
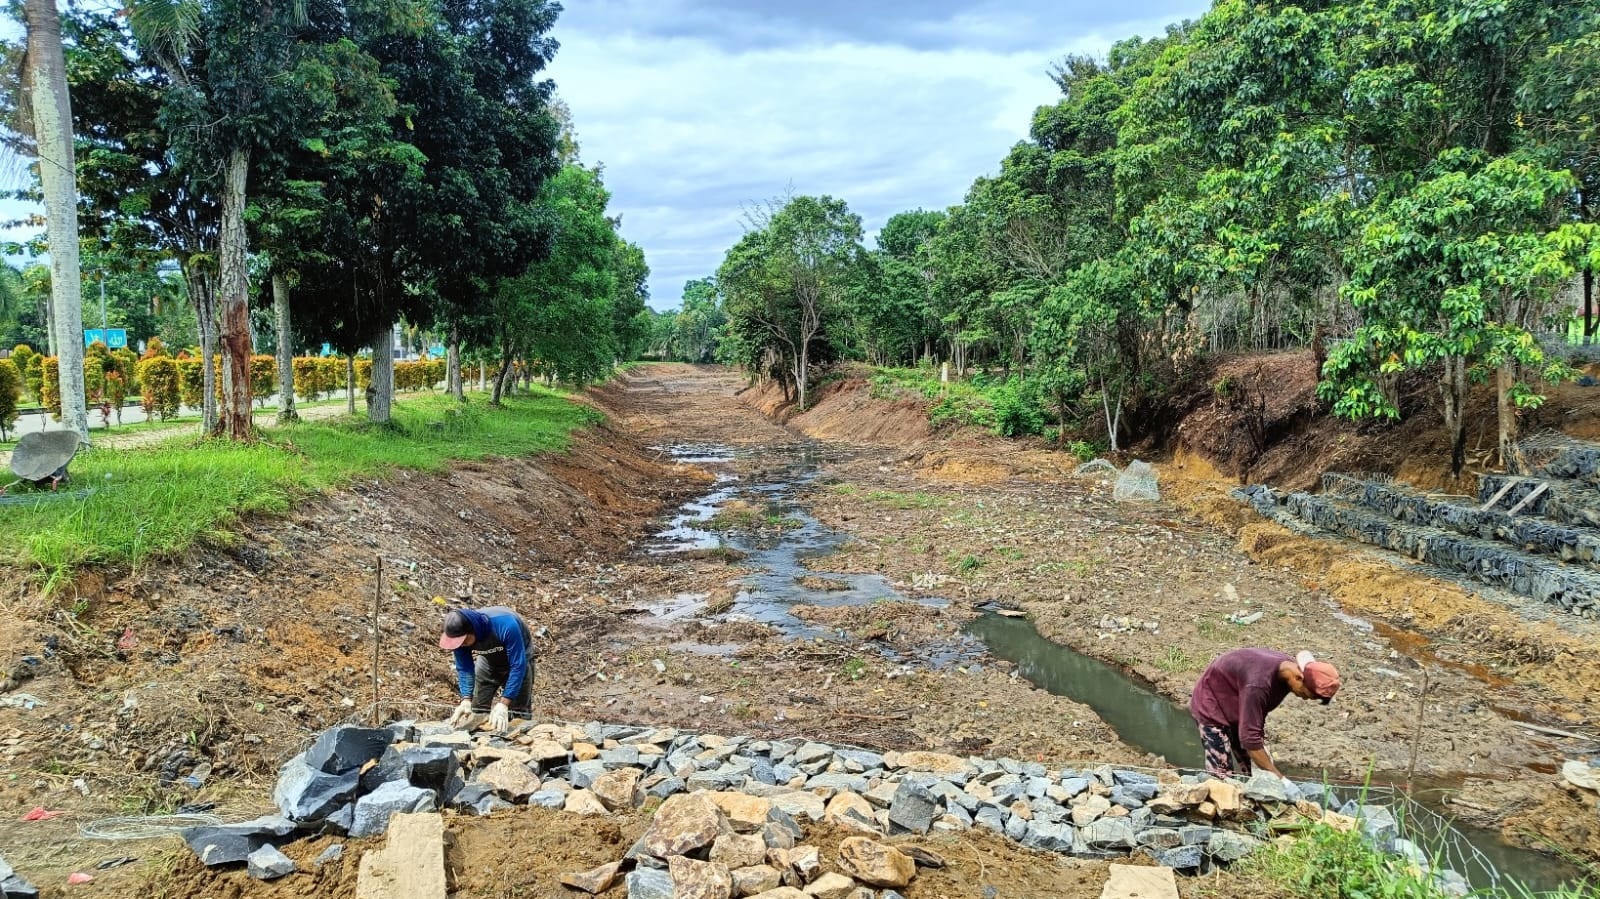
[509, 779]
[649, 883]
[699, 880]
[1226, 797]
[799, 865]
[739, 850]
[874, 863]
[1195, 834]
[582, 774]
[1048, 836]
[373, 810]
[1228, 846]
[267, 863]
[618, 790]
[934, 763]
[1108, 833]
[684, 823]
[1265, 786]
[914, 806]
[784, 892]
[746, 813]
[831, 886]
[1090, 809]
[1016, 827]
[1183, 858]
[595, 880]
[754, 879]
[1160, 838]
[800, 804]
[583, 802]
[331, 854]
[851, 812]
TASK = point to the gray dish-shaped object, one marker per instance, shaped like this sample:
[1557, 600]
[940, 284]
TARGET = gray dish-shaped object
[43, 455]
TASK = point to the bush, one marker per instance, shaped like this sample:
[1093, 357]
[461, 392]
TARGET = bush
[307, 378]
[23, 358]
[330, 373]
[190, 381]
[1083, 450]
[160, 386]
[10, 396]
[263, 377]
[1017, 410]
[363, 375]
[50, 385]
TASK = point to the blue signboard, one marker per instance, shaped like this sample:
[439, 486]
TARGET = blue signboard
[113, 338]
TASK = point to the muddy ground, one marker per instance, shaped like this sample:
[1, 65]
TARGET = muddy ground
[221, 664]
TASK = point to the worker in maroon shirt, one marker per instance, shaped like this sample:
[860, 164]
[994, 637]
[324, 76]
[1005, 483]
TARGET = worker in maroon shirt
[1232, 698]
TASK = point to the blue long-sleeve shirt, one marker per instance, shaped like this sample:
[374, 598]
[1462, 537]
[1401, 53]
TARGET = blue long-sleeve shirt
[494, 628]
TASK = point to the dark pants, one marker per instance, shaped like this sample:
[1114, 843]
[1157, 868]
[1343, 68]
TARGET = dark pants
[490, 672]
[1224, 755]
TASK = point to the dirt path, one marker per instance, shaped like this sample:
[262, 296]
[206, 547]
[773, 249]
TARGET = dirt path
[233, 656]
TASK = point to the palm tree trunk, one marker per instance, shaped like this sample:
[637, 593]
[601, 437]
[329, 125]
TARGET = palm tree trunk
[51, 109]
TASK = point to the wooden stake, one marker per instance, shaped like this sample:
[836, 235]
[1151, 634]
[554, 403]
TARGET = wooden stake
[377, 597]
[1416, 736]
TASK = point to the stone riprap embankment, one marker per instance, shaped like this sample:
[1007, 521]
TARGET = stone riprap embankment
[732, 810]
[1521, 553]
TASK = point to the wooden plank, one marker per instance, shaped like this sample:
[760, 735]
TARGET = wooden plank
[1504, 489]
[1529, 498]
[411, 863]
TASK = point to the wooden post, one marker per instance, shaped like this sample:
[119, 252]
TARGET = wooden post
[377, 596]
[1416, 736]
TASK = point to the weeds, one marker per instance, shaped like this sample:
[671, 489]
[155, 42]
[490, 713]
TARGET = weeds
[894, 499]
[967, 564]
[854, 668]
[1175, 661]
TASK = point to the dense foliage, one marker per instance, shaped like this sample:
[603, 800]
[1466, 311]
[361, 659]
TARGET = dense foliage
[1402, 187]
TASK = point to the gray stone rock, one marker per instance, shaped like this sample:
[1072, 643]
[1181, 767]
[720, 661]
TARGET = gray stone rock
[1378, 824]
[347, 748]
[855, 783]
[1119, 796]
[1125, 778]
[267, 863]
[1045, 810]
[431, 767]
[305, 792]
[762, 772]
[1160, 838]
[1034, 787]
[664, 788]
[374, 809]
[1108, 833]
[869, 761]
[1034, 769]
[1144, 792]
[1141, 818]
[402, 731]
[621, 757]
[1183, 858]
[786, 773]
[228, 844]
[720, 779]
[810, 753]
[14, 887]
[1195, 834]
[649, 883]
[390, 766]
[1007, 793]
[1074, 785]
[992, 818]
[478, 799]
[781, 749]
[332, 853]
[1228, 846]
[1011, 766]
[548, 799]
[783, 821]
[962, 816]
[1016, 827]
[582, 774]
[1265, 786]
[1047, 836]
[1452, 883]
[913, 809]
[340, 821]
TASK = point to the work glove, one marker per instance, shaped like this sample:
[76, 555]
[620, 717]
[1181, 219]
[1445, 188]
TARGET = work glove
[499, 718]
[461, 715]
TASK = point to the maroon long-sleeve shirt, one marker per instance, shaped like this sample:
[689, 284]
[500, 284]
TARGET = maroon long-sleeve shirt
[1238, 689]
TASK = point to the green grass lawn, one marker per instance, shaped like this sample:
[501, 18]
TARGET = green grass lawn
[156, 500]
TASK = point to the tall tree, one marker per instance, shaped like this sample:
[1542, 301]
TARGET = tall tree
[49, 113]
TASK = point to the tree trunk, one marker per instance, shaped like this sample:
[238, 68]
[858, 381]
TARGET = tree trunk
[52, 130]
[49, 316]
[380, 393]
[1588, 305]
[1113, 414]
[500, 378]
[285, 323]
[233, 306]
[1453, 389]
[452, 368]
[350, 383]
[483, 376]
[205, 311]
[1506, 376]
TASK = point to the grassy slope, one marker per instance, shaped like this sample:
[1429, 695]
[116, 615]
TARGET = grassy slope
[157, 500]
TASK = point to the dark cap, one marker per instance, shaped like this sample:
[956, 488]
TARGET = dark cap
[456, 630]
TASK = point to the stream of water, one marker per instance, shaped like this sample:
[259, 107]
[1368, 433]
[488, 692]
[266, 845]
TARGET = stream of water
[1142, 718]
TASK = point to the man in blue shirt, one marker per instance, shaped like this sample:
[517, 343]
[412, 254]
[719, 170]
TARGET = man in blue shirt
[494, 654]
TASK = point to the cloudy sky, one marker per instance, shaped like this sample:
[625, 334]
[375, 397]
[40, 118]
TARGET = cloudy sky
[698, 108]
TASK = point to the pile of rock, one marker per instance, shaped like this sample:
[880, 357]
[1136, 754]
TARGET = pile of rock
[732, 806]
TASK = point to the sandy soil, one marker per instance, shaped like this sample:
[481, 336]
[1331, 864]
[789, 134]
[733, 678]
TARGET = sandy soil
[235, 657]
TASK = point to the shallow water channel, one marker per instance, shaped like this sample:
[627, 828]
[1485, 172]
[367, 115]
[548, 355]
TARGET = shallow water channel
[1144, 719]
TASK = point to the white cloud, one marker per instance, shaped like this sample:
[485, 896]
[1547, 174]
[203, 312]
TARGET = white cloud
[690, 129]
